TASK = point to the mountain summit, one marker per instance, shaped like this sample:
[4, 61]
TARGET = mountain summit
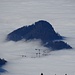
[42, 30]
[39, 30]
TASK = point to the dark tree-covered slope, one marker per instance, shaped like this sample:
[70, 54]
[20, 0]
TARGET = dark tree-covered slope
[39, 30]
[57, 45]
[2, 62]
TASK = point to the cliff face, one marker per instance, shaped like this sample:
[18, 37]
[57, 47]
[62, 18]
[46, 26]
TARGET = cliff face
[39, 30]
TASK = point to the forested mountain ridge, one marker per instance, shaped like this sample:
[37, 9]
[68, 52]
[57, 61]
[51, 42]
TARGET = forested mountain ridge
[42, 30]
[2, 62]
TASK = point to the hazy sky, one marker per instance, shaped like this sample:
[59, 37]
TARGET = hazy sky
[21, 12]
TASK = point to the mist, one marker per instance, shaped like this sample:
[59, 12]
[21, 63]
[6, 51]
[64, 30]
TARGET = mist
[21, 56]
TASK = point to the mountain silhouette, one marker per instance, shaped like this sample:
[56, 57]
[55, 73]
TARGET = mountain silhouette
[42, 30]
[2, 62]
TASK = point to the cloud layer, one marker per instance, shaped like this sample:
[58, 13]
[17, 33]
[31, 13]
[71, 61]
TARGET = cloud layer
[15, 14]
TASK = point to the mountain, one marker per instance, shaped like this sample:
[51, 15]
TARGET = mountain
[57, 45]
[2, 62]
[42, 30]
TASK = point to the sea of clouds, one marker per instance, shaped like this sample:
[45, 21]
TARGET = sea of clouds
[21, 56]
